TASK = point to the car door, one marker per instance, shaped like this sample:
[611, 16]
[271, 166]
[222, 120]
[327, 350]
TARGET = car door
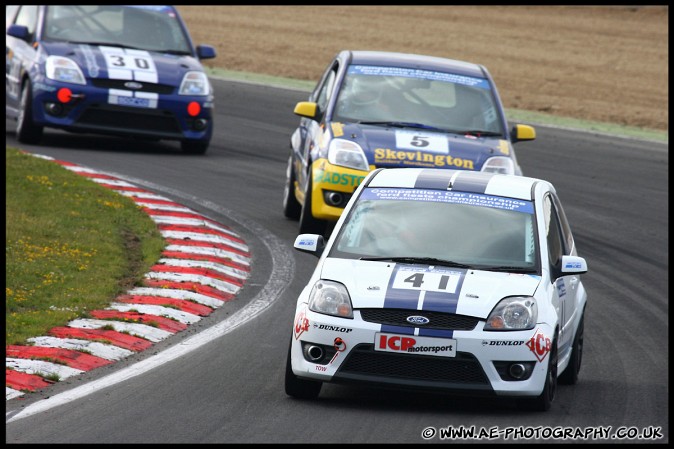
[569, 249]
[564, 287]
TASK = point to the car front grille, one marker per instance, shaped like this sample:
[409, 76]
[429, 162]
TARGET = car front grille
[130, 120]
[367, 364]
[119, 84]
[437, 320]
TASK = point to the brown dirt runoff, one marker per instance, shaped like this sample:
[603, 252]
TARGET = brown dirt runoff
[599, 63]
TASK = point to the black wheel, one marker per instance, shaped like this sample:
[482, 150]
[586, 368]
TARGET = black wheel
[300, 388]
[194, 146]
[570, 374]
[291, 207]
[543, 402]
[26, 129]
[309, 224]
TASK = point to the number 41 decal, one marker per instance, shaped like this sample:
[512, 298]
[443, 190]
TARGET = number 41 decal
[427, 281]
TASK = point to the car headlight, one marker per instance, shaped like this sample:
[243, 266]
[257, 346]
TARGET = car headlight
[514, 313]
[330, 298]
[194, 83]
[64, 70]
[347, 154]
[499, 164]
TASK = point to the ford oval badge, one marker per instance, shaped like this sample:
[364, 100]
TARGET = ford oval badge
[418, 319]
[133, 85]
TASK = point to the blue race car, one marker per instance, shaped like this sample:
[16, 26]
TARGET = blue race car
[384, 110]
[118, 70]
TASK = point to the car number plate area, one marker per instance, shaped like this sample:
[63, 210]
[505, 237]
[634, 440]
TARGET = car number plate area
[414, 344]
[133, 101]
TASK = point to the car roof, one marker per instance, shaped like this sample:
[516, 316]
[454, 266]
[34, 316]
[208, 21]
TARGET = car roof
[512, 186]
[410, 60]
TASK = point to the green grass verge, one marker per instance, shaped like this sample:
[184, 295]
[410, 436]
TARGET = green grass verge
[71, 246]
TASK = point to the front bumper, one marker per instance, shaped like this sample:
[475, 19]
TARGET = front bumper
[93, 109]
[472, 361]
[332, 187]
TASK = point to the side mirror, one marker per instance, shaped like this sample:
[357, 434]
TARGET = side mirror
[306, 109]
[573, 265]
[310, 243]
[205, 52]
[19, 32]
[522, 132]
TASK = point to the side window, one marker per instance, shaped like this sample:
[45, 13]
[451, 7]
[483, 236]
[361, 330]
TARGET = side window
[28, 17]
[10, 10]
[553, 233]
[325, 93]
[567, 236]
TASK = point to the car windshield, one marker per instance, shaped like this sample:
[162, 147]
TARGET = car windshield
[421, 98]
[475, 230]
[152, 28]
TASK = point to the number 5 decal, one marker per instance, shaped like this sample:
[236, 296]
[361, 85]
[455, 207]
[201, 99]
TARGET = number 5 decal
[414, 140]
[419, 141]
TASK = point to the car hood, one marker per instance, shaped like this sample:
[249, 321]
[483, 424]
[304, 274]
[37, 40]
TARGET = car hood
[384, 147]
[168, 69]
[376, 284]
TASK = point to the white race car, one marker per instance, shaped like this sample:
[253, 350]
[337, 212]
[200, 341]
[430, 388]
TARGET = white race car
[447, 280]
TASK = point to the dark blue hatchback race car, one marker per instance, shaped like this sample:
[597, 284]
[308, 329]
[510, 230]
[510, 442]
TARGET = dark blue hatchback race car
[104, 69]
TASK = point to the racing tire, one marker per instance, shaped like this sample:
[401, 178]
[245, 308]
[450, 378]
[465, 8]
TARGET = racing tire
[300, 388]
[26, 129]
[291, 207]
[544, 401]
[570, 374]
[309, 224]
[194, 146]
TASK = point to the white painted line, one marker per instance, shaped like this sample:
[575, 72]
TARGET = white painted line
[11, 393]
[146, 195]
[218, 284]
[167, 219]
[102, 350]
[175, 293]
[42, 367]
[81, 169]
[220, 268]
[140, 330]
[203, 237]
[151, 309]
[165, 207]
[209, 251]
[112, 182]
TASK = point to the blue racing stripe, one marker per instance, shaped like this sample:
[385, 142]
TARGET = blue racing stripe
[435, 333]
[443, 297]
[476, 184]
[397, 329]
[400, 298]
[429, 179]
[439, 301]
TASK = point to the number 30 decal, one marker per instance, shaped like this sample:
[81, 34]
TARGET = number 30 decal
[129, 62]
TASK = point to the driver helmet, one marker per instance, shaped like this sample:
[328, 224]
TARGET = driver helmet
[366, 90]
